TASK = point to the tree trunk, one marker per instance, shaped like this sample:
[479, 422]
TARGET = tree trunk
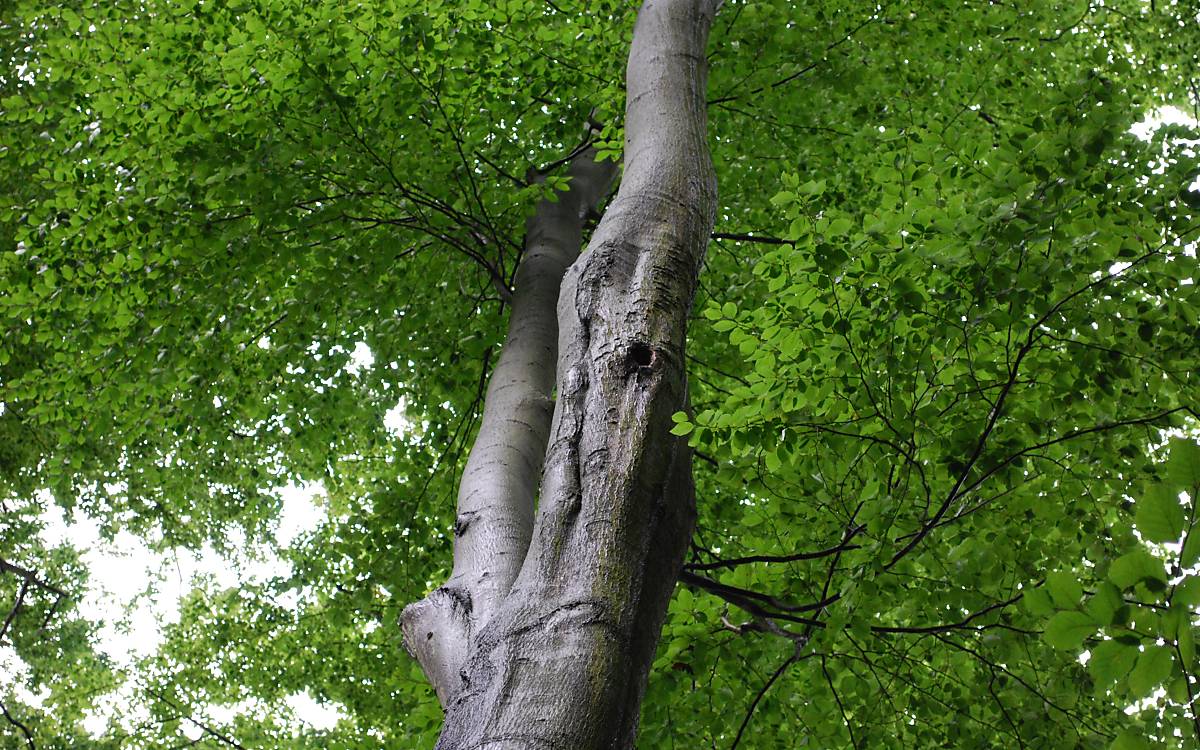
[544, 635]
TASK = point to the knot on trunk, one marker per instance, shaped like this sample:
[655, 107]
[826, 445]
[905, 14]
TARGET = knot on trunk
[461, 524]
[436, 631]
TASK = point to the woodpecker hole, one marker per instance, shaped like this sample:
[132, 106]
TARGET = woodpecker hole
[640, 356]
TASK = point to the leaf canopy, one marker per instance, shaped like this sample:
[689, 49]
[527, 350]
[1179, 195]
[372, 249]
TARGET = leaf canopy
[944, 365]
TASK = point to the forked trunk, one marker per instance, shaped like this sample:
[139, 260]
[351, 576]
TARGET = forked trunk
[544, 635]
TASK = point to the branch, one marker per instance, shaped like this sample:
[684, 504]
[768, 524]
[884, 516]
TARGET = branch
[747, 600]
[802, 71]
[734, 562]
[838, 699]
[196, 722]
[1017, 678]
[1031, 338]
[517, 181]
[30, 576]
[24, 729]
[964, 623]
[29, 579]
[759, 696]
[12, 614]
[751, 238]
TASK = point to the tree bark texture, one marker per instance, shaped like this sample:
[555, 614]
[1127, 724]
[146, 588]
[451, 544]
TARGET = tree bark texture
[496, 497]
[545, 633]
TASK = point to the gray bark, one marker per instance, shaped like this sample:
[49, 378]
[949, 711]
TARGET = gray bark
[560, 654]
[496, 497]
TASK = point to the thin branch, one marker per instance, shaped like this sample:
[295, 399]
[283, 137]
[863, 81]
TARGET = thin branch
[751, 238]
[19, 725]
[1032, 336]
[724, 590]
[759, 696]
[16, 607]
[29, 575]
[29, 579]
[734, 562]
[964, 623]
[838, 699]
[225, 739]
[1035, 691]
[802, 71]
[587, 143]
[501, 171]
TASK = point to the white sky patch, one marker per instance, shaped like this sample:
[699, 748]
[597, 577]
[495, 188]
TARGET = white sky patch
[121, 572]
[362, 358]
[14, 672]
[301, 513]
[1170, 116]
[134, 592]
[319, 716]
[1165, 116]
[395, 421]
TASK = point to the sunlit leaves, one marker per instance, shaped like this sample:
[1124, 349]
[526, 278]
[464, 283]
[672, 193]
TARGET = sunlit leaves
[1143, 613]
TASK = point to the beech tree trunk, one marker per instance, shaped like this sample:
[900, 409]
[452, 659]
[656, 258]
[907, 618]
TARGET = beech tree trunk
[544, 634]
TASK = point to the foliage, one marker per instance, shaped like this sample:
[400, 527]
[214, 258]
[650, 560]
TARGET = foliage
[944, 366]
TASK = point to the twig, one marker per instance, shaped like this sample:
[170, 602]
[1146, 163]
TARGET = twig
[197, 723]
[734, 562]
[751, 238]
[757, 698]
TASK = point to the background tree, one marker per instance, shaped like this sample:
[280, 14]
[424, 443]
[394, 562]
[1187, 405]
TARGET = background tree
[948, 330]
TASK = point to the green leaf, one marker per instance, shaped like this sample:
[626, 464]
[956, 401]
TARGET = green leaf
[1111, 661]
[1190, 554]
[1187, 592]
[1103, 605]
[1064, 589]
[683, 428]
[839, 227]
[1037, 602]
[813, 187]
[1152, 668]
[1183, 464]
[1134, 567]
[1177, 690]
[1068, 630]
[772, 461]
[1128, 739]
[1159, 515]
[1186, 639]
